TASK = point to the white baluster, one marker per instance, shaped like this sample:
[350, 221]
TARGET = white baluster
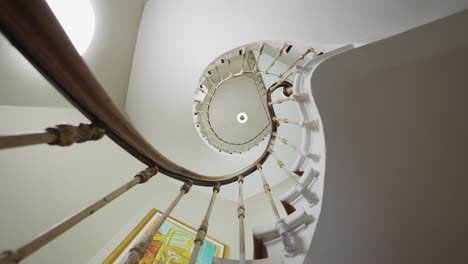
[266, 188]
[203, 229]
[202, 91]
[219, 74]
[310, 197]
[201, 112]
[241, 217]
[280, 52]
[281, 227]
[137, 252]
[302, 152]
[209, 80]
[229, 65]
[242, 53]
[288, 244]
[314, 124]
[280, 101]
[291, 175]
[260, 52]
[301, 57]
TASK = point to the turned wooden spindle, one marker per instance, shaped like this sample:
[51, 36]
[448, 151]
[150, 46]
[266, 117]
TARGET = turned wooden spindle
[201, 112]
[260, 52]
[229, 65]
[219, 74]
[301, 57]
[203, 91]
[282, 228]
[241, 217]
[137, 252]
[278, 55]
[242, 53]
[300, 187]
[266, 188]
[210, 81]
[203, 229]
[61, 135]
[302, 152]
[291, 175]
[200, 102]
[202, 121]
[313, 124]
[280, 101]
[26, 250]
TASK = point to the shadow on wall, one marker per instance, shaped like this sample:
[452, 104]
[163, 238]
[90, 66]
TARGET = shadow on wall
[396, 125]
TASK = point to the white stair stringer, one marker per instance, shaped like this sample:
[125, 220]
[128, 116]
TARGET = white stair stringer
[310, 142]
[300, 224]
[313, 141]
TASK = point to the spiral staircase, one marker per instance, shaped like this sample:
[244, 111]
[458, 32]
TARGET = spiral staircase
[262, 68]
[274, 77]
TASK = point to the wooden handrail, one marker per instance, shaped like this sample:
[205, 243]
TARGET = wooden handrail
[33, 29]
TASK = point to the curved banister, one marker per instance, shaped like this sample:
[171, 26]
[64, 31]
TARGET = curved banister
[33, 29]
[35, 32]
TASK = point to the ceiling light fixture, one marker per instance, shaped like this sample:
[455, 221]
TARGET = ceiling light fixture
[77, 19]
[242, 118]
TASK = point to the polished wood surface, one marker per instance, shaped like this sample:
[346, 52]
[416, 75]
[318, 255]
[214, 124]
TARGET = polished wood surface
[13, 141]
[33, 29]
[259, 249]
[288, 207]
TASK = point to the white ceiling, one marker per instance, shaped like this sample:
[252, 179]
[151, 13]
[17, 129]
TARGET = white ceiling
[237, 95]
[178, 39]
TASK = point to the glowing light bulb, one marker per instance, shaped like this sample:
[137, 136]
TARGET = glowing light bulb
[77, 19]
[242, 118]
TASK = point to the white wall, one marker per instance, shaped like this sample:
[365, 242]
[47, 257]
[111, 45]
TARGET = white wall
[395, 119]
[41, 185]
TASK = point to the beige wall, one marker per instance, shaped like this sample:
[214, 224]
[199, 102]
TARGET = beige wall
[41, 185]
